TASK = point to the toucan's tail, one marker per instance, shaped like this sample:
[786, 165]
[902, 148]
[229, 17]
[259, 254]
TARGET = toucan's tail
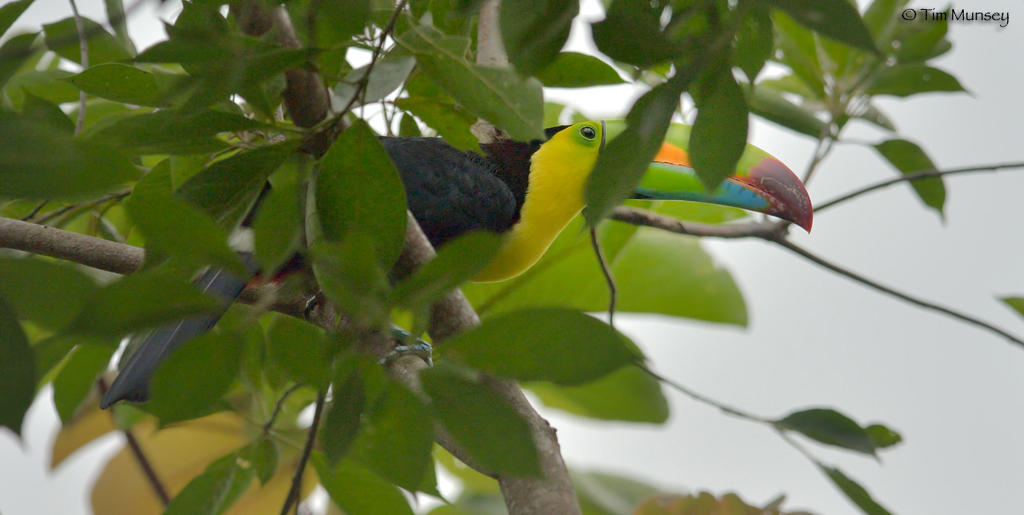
[132, 384]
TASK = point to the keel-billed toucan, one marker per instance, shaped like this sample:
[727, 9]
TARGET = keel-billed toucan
[527, 191]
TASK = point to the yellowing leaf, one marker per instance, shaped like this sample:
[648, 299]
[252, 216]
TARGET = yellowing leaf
[178, 454]
[85, 428]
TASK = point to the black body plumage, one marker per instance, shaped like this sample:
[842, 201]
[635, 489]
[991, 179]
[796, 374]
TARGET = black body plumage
[449, 191]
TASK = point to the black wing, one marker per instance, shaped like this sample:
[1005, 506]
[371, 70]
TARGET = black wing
[450, 191]
[132, 384]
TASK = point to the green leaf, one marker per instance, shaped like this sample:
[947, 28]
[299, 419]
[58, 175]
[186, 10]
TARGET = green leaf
[874, 115]
[658, 272]
[351, 276]
[356, 490]
[753, 45]
[655, 272]
[719, 133]
[837, 19]
[341, 422]
[175, 228]
[628, 394]
[456, 262]
[10, 13]
[139, 301]
[481, 422]
[854, 491]
[904, 80]
[624, 160]
[359, 190]
[450, 122]
[1017, 303]
[535, 31]
[227, 189]
[14, 53]
[919, 41]
[575, 70]
[338, 20]
[171, 132]
[263, 455]
[77, 378]
[278, 224]
[215, 490]
[45, 113]
[120, 83]
[907, 157]
[190, 383]
[300, 349]
[800, 53]
[882, 436]
[387, 75]
[772, 106]
[882, 19]
[632, 33]
[17, 370]
[62, 38]
[829, 427]
[496, 94]
[119, 22]
[543, 344]
[397, 439]
[37, 161]
[45, 292]
[408, 128]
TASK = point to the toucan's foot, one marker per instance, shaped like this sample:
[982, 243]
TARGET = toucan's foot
[418, 348]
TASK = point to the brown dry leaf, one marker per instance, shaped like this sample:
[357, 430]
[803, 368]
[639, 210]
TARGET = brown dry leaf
[702, 504]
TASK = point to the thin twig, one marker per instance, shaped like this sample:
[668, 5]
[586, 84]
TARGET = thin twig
[821, 150]
[140, 456]
[35, 211]
[924, 174]
[889, 291]
[729, 410]
[607, 275]
[278, 406]
[296, 490]
[361, 84]
[84, 205]
[83, 47]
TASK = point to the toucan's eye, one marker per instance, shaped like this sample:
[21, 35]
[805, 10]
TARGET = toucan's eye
[588, 132]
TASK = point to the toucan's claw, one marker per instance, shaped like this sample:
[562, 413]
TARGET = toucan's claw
[418, 348]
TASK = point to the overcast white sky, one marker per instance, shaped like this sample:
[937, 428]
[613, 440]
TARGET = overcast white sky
[815, 339]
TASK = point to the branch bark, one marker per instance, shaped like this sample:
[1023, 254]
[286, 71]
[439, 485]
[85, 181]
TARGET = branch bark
[915, 176]
[49, 241]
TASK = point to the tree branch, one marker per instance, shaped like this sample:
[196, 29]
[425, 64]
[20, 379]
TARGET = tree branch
[554, 492]
[140, 456]
[296, 490]
[775, 233]
[637, 216]
[915, 176]
[490, 49]
[800, 251]
[79, 248]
